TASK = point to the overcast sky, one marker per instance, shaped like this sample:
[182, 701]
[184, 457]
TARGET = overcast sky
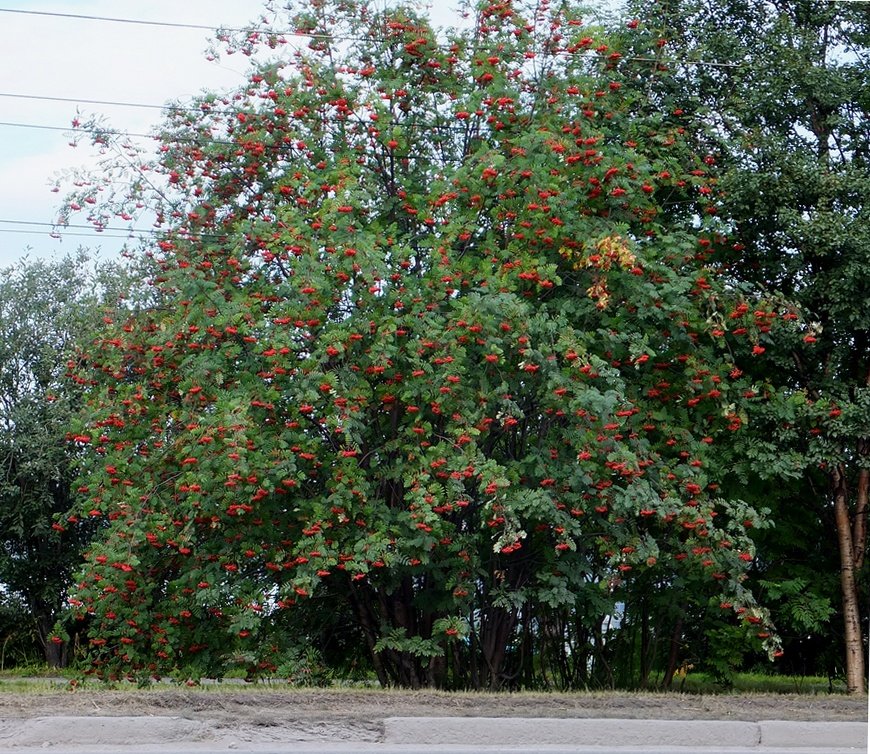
[53, 57]
[72, 58]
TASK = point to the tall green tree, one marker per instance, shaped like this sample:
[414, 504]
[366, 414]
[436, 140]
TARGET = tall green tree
[424, 342]
[785, 90]
[48, 311]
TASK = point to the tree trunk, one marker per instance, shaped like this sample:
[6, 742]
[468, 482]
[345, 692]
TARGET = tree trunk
[56, 655]
[862, 499]
[497, 625]
[362, 609]
[848, 584]
[674, 653]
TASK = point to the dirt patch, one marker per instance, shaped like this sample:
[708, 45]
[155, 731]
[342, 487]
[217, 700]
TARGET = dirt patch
[360, 713]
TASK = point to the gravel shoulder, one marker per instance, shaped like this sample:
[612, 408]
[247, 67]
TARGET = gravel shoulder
[227, 707]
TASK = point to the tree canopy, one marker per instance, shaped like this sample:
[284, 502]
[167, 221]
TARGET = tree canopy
[784, 89]
[441, 339]
[48, 311]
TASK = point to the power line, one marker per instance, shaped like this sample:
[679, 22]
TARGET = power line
[84, 101]
[288, 148]
[202, 110]
[42, 127]
[74, 225]
[34, 125]
[309, 34]
[58, 234]
[82, 17]
[201, 140]
[96, 132]
[59, 229]
[114, 132]
[177, 25]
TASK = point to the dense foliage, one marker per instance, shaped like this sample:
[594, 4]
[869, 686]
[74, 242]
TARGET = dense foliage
[792, 139]
[439, 347]
[48, 312]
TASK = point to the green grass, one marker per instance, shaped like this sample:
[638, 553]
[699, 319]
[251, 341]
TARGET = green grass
[757, 683]
[36, 670]
[42, 679]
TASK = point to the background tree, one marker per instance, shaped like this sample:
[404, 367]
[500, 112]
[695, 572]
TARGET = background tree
[48, 311]
[423, 342]
[784, 89]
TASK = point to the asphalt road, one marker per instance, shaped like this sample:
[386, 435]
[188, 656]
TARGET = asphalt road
[327, 748]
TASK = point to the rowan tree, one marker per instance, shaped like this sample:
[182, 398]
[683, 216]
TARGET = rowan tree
[424, 340]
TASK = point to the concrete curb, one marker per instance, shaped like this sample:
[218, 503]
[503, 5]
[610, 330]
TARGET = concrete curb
[622, 733]
[45, 732]
[791, 733]
[684, 735]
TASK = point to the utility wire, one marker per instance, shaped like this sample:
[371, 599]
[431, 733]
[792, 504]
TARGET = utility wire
[58, 226]
[83, 17]
[82, 100]
[60, 234]
[59, 229]
[288, 148]
[114, 132]
[176, 25]
[200, 140]
[63, 234]
[202, 110]
[300, 33]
